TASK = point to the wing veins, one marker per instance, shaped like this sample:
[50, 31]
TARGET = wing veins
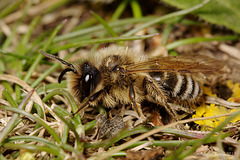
[172, 64]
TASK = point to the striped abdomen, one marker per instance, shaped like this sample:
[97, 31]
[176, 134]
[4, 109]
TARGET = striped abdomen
[177, 86]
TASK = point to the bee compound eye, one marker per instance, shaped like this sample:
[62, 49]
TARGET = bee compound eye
[89, 80]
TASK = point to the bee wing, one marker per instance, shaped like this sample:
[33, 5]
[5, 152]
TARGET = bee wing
[183, 64]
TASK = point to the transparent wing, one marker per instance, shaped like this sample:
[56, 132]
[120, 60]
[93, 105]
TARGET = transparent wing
[182, 64]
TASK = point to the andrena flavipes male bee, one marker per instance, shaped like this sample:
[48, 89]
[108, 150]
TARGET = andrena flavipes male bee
[118, 76]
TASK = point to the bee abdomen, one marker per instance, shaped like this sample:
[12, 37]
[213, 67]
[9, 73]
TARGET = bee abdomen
[178, 86]
[188, 87]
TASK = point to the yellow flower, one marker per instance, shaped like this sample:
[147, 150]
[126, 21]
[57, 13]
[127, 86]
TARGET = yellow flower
[213, 110]
[210, 110]
[235, 88]
[200, 111]
[236, 118]
[208, 91]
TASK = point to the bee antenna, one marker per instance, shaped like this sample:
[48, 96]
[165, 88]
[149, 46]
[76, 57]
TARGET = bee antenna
[63, 72]
[60, 60]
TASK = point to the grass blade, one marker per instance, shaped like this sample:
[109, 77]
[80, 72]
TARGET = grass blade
[37, 119]
[200, 39]
[100, 40]
[40, 56]
[11, 124]
[166, 17]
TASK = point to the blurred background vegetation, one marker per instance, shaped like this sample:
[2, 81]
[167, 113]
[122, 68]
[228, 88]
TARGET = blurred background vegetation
[35, 119]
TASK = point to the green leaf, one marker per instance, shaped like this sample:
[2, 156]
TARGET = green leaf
[220, 12]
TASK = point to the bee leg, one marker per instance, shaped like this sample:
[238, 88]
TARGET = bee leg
[90, 99]
[83, 105]
[161, 98]
[171, 111]
[174, 115]
[134, 104]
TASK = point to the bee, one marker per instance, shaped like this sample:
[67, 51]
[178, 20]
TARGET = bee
[118, 76]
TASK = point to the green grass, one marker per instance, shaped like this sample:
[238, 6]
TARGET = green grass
[21, 60]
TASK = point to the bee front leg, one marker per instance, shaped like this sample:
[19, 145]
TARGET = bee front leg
[132, 97]
[90, 99]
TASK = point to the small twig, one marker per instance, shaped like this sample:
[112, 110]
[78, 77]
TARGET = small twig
[4, 102]
[222, 102]
[142, 146]
[231, 51]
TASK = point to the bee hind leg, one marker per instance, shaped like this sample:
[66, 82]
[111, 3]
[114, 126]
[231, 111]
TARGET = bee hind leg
[158, 96]
[171, 111]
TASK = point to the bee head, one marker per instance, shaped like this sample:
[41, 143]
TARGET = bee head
[83, 78]
[86, 80]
